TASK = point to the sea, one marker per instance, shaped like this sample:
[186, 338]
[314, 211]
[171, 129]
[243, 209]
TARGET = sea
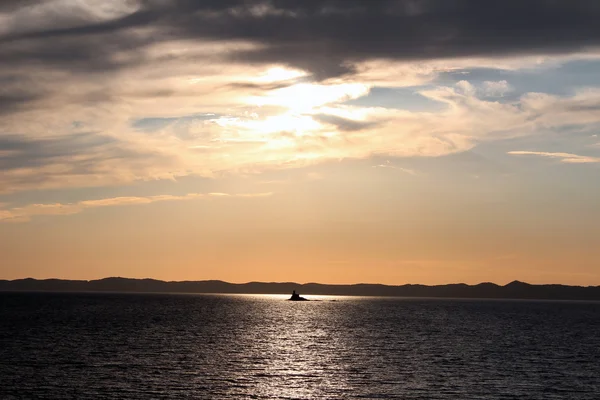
[179, 346]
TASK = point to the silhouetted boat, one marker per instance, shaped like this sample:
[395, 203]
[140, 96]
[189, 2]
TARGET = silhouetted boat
[296, 297]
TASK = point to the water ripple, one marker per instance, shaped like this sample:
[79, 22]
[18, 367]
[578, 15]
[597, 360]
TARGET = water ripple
[94, 346]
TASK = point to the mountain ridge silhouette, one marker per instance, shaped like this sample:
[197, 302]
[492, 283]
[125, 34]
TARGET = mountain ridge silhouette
[489, 290]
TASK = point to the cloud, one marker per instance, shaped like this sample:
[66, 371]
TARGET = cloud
[496, 88]
[388, 164]
[564, 157]
[317, 36]
[25, 213]
[75, 159]
[343, 124]
[243, 86]
[99, 146]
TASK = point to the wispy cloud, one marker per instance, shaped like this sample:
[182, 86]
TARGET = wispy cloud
[564, 157]
[25, 213]
[105, 149]
[388, 164]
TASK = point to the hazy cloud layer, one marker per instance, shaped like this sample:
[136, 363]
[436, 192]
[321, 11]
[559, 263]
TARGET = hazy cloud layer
[75, 160]
[25, 213]
[564, 157]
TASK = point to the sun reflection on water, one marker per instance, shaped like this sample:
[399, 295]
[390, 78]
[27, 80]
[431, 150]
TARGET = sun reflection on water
[295, 353]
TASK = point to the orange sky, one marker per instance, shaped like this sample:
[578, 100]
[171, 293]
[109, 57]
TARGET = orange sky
[315, 230]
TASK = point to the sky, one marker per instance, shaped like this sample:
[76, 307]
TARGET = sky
[332, 141]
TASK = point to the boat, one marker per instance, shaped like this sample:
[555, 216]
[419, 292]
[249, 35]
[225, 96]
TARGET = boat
[297, 297]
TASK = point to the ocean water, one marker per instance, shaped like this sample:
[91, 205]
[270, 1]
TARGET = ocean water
[141, 346]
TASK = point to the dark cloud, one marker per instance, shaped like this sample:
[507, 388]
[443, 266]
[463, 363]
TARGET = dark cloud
[325, 36]
[13, 101]
[87, 53]
[10, 5]
[17, 151]
[262, 87]
[344, 124]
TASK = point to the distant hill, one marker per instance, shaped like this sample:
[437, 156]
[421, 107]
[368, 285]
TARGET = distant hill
[514, 290]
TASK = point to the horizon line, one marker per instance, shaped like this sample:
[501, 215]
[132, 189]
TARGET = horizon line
[515, 281]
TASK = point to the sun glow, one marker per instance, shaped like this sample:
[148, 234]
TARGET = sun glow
[295, 103]
[278, 74]
[298, 124]
[304, 97]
